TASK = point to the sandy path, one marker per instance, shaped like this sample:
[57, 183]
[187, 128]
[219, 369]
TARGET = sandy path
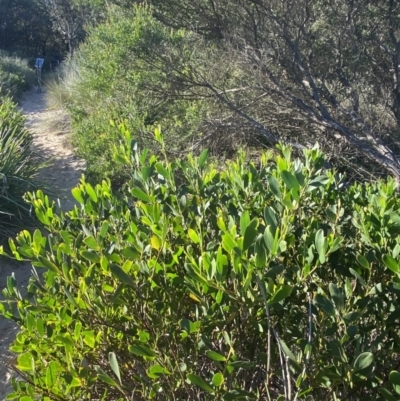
[63, 174]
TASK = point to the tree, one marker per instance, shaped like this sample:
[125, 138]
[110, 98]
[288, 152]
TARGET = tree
[68, 19]
[25, 26]
[302, 71]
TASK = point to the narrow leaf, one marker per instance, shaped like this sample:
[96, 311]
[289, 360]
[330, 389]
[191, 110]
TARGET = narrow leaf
[283, 292]
[320, 242]
[118, 273]
[112, 359]
[203, 158]
[200, 382]
[215, 356]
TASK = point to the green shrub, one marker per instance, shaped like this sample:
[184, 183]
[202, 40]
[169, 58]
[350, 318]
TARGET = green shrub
[265, 281]
[113, 80]
[15, 75]
[18, 167]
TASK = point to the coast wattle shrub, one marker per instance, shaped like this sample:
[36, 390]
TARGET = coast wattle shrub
[202, 282]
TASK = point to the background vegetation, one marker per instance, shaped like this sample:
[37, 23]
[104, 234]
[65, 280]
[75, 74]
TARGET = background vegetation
[15, 75]
[18, 167]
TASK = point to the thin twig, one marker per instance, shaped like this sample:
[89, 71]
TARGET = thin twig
[289, 384]
[309, 342]
[269, 329]
[285, 384]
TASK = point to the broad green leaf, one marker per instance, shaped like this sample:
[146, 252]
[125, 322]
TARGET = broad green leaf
[142, 350]
[30, 322]
[270, 219]
[158, 135]
[384, 392]
[203, 158]
[325, 304]
[193, 236]
[37, 239]
[364, 362]
[155, 242]
[119, 274]
[358, 276]
[215, 356]
[91, 192]
[244, 221]
[274, 186]
[199, 382]
[162, 170]
[89, 338]
[351, 317]
[320, 245]
[25, 362]
[47, 263]
[269, 239]
[138, 193]
[228, 242]
[363, 261]
[218, 379]
[337, 294]
[250, 234]
[104, 228]
[112, 359]
[261, 252]
[77, 194]
[51, 375]
[65, 340]
[283, 292]
[91, 243]
[394, 378]
[156, 371]
[104, 377]
[337, 350]
[91, 256]
[290, 180]
[396, 251]
[391, 264]
[242, 364]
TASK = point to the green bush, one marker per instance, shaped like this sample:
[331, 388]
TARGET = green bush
[114, 80]
[18, 167]
[15, 75]
[196, 282]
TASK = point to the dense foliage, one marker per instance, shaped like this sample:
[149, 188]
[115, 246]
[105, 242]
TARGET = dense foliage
[302, 70]
[18, 167]
[112, 80]
[197, 281]
[15, 75]
[46, 27]
[224, 72]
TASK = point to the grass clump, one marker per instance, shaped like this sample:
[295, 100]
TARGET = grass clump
[15, 75]
[18, 168]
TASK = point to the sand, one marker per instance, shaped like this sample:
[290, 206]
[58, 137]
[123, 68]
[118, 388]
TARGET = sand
[63, 174]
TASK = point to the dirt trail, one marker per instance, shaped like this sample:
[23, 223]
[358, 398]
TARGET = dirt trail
[63, 174]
